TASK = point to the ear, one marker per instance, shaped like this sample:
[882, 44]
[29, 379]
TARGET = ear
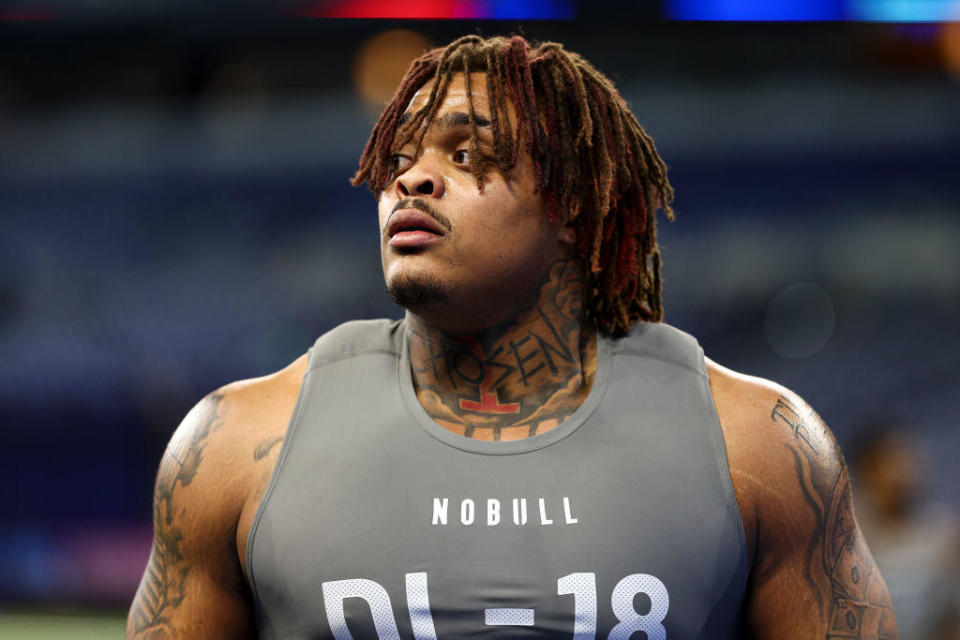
[568, 231]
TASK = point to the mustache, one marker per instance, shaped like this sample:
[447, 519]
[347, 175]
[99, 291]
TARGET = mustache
[419, 203]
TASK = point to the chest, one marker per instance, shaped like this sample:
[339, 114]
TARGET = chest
[378, 523]
[422, 541]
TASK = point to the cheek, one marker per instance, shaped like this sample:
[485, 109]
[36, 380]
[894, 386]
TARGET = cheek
[510, 204]
[384, 204]
[515, 239]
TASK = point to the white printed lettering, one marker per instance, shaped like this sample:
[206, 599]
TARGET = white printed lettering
[508, 617]
[418, 603]
[544, 520]
[493, 512]
[583, 586]
[631, 621]
[440, 511]
[520, 511]
[334, 593]
[467, 511]
[566, 512]
[547, 510]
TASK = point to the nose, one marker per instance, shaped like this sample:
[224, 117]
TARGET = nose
[420, 180]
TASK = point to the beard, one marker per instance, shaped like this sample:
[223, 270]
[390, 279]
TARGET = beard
[417, 292]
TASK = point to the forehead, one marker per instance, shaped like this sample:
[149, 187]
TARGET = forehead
[456, 97]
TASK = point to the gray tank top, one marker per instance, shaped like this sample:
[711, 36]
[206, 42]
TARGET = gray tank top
[379, 523]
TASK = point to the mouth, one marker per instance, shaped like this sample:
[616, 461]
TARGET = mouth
[412, 228]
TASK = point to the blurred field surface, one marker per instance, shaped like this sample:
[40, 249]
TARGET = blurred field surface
[60, 626]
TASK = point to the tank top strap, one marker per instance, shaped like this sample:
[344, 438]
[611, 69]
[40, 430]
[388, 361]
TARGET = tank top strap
[358, 337]
[662, 342]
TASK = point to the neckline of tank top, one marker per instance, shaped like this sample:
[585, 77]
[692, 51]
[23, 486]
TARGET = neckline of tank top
[509, 447]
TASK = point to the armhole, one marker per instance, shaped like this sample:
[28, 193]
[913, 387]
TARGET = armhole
[275, 475]
[723, 464]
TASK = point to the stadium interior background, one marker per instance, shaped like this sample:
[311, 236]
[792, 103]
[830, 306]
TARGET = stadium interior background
[175, 214]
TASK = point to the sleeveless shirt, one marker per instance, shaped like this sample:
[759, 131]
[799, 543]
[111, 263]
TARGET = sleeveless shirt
[619, 522]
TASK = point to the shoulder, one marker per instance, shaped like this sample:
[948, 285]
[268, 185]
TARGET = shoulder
[244, 410]
[781, 454]
[762, 408]
[759, 416]
[212, 455]
[205, 480]
[260, 407]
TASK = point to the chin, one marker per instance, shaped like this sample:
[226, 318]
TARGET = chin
[418, 292]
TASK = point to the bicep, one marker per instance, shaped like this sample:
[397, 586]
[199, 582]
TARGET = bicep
[814, 575]
[179, 599]
[192, 587]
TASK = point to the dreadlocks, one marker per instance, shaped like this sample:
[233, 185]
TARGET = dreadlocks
[592, 159]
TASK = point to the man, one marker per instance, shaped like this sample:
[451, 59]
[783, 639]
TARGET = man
[530, 452]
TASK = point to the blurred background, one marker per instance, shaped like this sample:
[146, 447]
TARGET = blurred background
[175, 214]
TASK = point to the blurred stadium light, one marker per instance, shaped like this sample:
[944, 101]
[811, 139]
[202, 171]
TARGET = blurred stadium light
[443, 9]
[767, 10]
[715, 10]
[776, 10]
[904, 10]
[382, 60]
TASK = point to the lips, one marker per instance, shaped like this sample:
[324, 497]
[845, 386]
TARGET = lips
[413, 228]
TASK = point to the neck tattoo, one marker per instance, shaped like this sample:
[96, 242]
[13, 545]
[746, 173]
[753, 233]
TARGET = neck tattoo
[516, 380]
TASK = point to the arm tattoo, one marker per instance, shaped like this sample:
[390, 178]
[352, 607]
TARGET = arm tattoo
[838, 568]
[163, 586]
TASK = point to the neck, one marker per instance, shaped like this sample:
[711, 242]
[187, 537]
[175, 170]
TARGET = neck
[517, 379]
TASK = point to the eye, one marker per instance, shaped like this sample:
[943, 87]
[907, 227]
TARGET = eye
[461, 156]
[399, 162]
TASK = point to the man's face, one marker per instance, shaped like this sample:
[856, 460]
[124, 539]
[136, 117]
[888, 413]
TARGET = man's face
[462, 258]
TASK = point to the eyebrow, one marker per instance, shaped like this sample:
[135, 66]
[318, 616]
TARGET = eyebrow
[452, 120]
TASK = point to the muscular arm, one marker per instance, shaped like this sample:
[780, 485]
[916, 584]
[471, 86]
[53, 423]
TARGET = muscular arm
[814, 574]
[192, 586]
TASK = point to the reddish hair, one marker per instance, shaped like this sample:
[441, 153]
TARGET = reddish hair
[592, 159]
